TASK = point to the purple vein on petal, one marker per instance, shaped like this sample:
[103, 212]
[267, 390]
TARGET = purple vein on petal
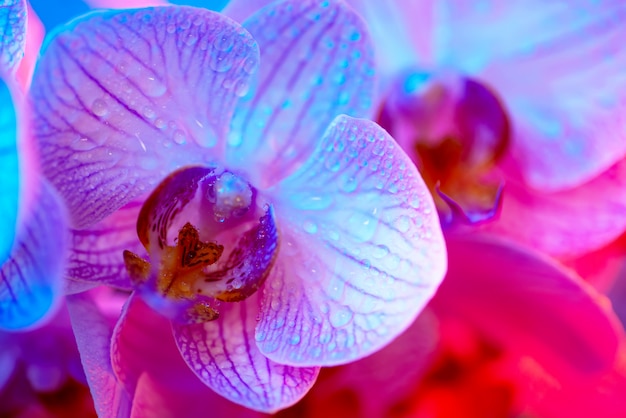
[150, 91]
[32, 278]
[12, 34]
[317, 62]
[224, 355]
[361, 250]
[95, 253]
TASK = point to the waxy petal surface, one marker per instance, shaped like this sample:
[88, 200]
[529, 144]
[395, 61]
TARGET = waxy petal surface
[123, 98]
[372, 386]
[316, 63]
[567, 223]
[35, 33]
[12, 34]
[563, 83]
[557, 66]
[9, 181]
[160, 399]
[402, 32]
[93, 330]
[223, 354]
[530, 304]
[32, 278]
[361, 250]
[143, 344]
[95, 254]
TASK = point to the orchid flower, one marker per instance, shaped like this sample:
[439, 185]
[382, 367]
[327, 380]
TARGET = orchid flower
[273, 229]
[507, 325]
[32, 241]
[516, 103]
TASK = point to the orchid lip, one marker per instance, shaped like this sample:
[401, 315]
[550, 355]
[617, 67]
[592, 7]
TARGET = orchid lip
[457, 130]
[224, 248]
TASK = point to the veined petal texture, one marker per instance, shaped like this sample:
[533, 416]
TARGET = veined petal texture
[361, 250]
[122, 98]
[32, 278]
[12, 34]
[316, 63]
[223, 354]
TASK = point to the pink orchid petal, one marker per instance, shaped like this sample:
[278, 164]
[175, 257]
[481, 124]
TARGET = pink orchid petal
[223, 354]
[35, 33]
[566, 223]
[31, 283]
[601, 396]
[316, 63]
[530, 304]
[138, 332]
[9, 181]
[12, 35]
[96, 252]
[559, 69]
[155, 399]
[150, 366]
[602, 268]
[361, 250]
[93, 330]
[382, 380]
[150, 90]
[617, 293]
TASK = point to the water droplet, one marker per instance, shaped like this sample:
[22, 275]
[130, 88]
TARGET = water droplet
[220, 62]
[179, 137]
[378, 150]
[347, 183]
[260, 335]
[83, 144]
[275, 304]
[223, 43]
[148, 112]
[380, 251]
[341, 316]
[309, 226]
[235, 138]
[191, 39]
[362, 226]
[403, 223]
[99, 108]
[414, 201]
[250, 65]
[241, 88]
[153, 87]
[315, 351]
[366, 264]
[160, 123]
[324, 338]
[295, 339]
